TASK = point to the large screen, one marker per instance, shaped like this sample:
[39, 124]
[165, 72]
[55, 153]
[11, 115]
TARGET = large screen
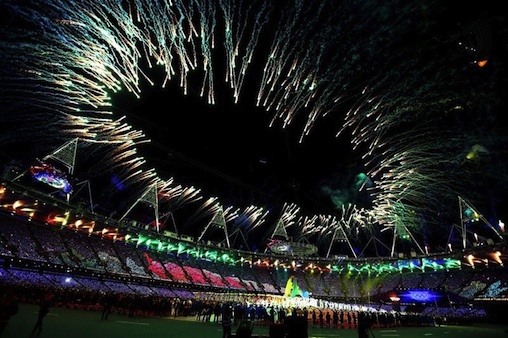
[48, 174]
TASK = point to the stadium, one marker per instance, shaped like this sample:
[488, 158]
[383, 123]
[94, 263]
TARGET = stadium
[96, 200]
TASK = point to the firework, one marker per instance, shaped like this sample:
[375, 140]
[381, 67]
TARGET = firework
[407, 91]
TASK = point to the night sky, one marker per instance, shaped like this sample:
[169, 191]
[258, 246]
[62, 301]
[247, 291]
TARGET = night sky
[231, 151]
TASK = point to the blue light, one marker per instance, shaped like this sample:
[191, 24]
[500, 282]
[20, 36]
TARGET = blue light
[420, 296]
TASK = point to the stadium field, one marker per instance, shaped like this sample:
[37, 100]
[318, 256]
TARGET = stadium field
[67, 323]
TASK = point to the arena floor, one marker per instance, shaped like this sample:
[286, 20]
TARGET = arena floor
[65, 323]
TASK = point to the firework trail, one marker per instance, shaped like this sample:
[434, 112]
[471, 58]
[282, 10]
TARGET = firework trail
[407, 90]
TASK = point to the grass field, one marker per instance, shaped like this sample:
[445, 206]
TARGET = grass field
[65, 323]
